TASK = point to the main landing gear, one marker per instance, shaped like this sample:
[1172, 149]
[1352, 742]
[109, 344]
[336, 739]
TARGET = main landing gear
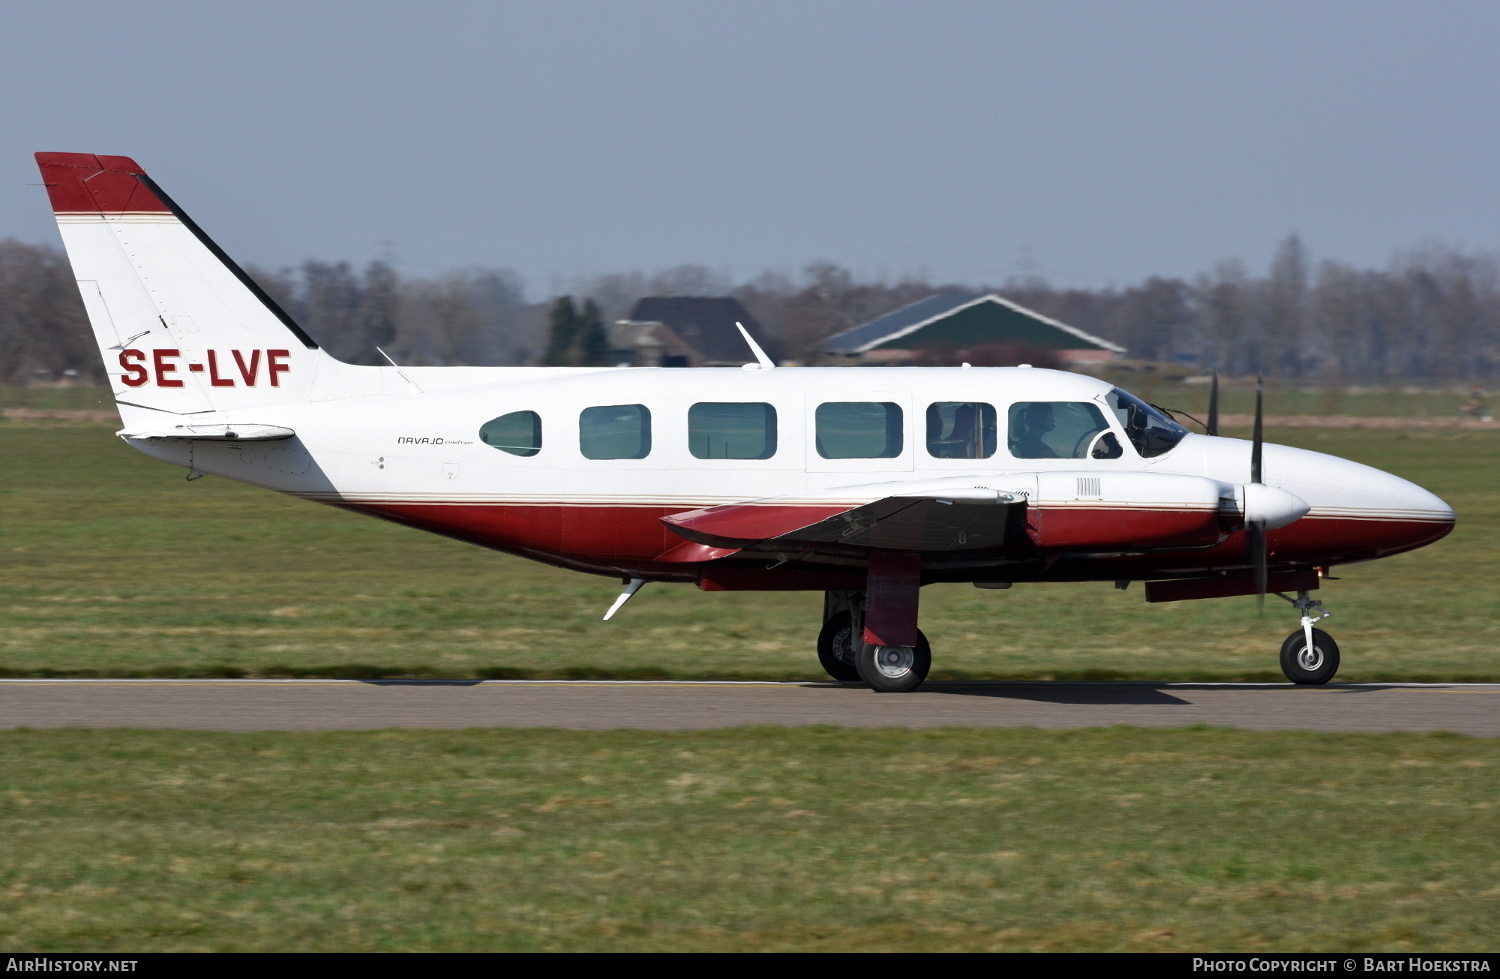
[872, 636]
[836, 647]
[1309, 656]
[896, 668]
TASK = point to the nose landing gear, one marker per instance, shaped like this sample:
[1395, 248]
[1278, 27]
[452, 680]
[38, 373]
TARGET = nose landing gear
[1309, 656]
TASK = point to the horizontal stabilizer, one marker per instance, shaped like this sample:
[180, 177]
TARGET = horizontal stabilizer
[215, 433]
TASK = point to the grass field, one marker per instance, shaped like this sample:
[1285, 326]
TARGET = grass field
[113, 565]
[755, 838]
[769, 839]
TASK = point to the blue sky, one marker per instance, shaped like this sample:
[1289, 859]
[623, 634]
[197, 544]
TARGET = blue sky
[1106, 141]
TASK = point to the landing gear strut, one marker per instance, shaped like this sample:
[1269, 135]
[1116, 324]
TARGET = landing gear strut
[1309, 656]
[872, 636]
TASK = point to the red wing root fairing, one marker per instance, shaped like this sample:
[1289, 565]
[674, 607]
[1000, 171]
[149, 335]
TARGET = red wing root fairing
[924, 526]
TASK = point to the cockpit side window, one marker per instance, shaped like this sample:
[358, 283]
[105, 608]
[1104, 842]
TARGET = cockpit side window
[1060, 430]
[519, 433]
[1151, 431]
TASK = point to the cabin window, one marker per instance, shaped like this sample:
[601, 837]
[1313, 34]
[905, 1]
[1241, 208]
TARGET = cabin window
[615, 432]
[961, 430]
[519, 433]
[859, 430]
[732, 430]
[1060, 430]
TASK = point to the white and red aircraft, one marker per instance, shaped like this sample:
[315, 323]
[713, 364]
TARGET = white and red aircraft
[861, 483]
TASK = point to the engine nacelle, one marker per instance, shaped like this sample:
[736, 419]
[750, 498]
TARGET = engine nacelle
[1271, 507]
[1124, 511]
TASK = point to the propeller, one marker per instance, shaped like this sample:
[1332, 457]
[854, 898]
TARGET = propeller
[1255, 529]
[1212, 428]
[1266, 507]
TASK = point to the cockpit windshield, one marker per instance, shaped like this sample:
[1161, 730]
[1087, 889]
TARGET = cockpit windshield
[1150, 430]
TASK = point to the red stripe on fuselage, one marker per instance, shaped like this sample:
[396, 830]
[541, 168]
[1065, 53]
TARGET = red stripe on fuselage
[627, 540]
[1353, 538]
[621, 540]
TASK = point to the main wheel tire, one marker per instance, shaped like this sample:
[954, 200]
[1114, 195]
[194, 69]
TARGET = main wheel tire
[1310, 666]
[894, 669]
[837, 649]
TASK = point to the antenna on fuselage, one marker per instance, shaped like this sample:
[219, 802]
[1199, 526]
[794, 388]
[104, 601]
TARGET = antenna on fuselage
[762, 362]
[399, 371]
[632, 585]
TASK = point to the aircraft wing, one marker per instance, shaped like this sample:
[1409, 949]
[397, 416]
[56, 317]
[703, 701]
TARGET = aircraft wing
[950, 519]
[1087, 511]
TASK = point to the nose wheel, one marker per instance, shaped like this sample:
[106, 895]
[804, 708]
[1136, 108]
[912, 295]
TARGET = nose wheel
[1309, 656]
[1310, 663]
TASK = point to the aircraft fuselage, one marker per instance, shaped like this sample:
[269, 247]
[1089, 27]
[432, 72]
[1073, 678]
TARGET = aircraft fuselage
[418, 458]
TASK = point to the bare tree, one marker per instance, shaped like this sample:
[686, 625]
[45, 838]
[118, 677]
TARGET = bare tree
[1284, 299]
[1152, 317]
[1432, 315]
[43, 328]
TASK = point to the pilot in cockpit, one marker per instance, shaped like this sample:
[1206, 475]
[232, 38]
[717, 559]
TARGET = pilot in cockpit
[1026, 437]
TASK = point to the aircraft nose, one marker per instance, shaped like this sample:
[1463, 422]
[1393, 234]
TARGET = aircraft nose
[1418, 516]
[1398, 498]
[1372, 512]
[1411, 497]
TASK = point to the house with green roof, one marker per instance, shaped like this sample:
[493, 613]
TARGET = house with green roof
[952, 323]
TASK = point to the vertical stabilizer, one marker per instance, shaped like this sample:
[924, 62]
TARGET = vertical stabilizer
[180, 326]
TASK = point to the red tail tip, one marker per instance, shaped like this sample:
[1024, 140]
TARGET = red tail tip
[83, 182]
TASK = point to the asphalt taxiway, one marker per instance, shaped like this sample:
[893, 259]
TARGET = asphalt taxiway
[307, 705]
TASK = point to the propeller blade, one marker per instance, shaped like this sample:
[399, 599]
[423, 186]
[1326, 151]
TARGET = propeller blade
[1257, 440]
[1213, 405]
[1256, 541]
